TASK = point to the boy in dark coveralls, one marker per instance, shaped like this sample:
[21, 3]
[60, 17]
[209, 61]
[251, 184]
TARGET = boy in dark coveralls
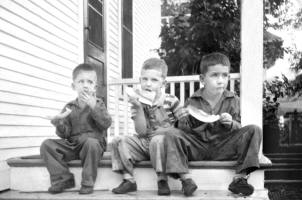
[223, 139]
[152, 123]
[82, 126]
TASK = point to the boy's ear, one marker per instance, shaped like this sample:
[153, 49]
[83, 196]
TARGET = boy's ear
[164, 83]
[72, 86]
[201, 77]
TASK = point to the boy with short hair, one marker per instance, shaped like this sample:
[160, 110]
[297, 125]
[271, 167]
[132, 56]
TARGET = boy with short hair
[152, 123]
[223, 139]
[82, 128]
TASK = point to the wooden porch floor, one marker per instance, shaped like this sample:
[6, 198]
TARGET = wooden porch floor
[142, 195]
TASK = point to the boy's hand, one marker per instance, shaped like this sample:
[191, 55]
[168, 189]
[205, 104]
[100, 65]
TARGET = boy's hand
[226, 118]
[89, 99]
[135, 103]
[181, 113]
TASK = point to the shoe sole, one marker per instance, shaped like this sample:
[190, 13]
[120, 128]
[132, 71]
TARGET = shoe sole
[164, 193]
[245, 191]
[117, 192]
[191, 191]
[72, 185]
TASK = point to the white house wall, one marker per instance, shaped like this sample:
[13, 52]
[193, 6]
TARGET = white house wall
[39, 47]
[146, 30]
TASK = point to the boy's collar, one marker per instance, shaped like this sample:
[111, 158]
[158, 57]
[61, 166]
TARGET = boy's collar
[75, 102]
[161, 99]
[225, 94]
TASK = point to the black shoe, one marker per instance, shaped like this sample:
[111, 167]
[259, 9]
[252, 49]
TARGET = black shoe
[125, 187]
[86, 189]
[188, 187]
[61, 186]
[241, 187]
[163, 188]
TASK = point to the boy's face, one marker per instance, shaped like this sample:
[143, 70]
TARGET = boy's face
[86, 81]
[152, 80]
[216, 79]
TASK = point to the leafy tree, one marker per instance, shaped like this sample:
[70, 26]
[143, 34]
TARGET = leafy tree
[214, 25]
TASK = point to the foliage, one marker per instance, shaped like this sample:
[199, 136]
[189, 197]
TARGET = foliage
[212, 26]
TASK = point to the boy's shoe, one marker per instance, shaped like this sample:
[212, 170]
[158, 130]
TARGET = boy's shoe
[124, 187]
[86, 189]
[188, 187]
[241, 187]
[61, 186]
[163, 188]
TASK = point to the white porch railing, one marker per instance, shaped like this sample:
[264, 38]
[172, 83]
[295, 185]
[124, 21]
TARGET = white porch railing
[181, 86]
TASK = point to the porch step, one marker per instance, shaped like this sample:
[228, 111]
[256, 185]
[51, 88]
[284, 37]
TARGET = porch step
[286, 169]
[29, 174]
[142, 195]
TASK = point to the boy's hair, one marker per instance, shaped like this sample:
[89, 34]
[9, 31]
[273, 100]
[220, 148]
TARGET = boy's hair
[82, 67]
[157, 64]
[213, 59]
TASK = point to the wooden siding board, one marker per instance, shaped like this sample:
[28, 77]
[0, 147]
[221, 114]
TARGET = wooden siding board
[23, 56]
[18, 120]
[7, 86]
[21, 99]
[40, 40]
[34, 27]
[42, 52]
[33, 81]
[26, 131]
[7, 143]
[39, 72]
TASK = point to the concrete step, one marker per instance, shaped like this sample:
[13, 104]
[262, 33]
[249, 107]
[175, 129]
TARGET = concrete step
[142, 195]
[30, 174]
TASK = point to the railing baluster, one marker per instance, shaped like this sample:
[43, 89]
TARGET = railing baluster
[232, 85]
[125, 105]
[182, 93]
[172, 88]
[191, 87]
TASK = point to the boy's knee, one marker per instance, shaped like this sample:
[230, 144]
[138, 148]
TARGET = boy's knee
[92, 142]
[46, 145]
[255, 130]
[157, 139]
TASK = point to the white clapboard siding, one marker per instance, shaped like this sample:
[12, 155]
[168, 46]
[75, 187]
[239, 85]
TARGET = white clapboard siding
[34, 81]
[40, 44]
[41, 52]
[26, 131]
[8, 86]
[145, 35]
[37, 40]
[20, 151]
[27, 57]
[11, 15]
[113, 55]
[7, 143]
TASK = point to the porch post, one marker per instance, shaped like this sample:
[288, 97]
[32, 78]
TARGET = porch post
[251, 82]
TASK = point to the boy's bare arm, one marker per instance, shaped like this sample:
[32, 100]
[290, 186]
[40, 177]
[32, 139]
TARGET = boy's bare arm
[61, 123]
[138, 116]
[101, 116]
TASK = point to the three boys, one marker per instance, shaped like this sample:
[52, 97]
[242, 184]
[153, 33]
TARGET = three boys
[170, 148]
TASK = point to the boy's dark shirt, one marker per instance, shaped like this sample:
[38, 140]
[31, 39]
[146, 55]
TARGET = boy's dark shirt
[84, 121]
[212, 132]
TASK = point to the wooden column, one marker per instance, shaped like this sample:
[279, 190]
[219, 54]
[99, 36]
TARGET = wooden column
[252, 64]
